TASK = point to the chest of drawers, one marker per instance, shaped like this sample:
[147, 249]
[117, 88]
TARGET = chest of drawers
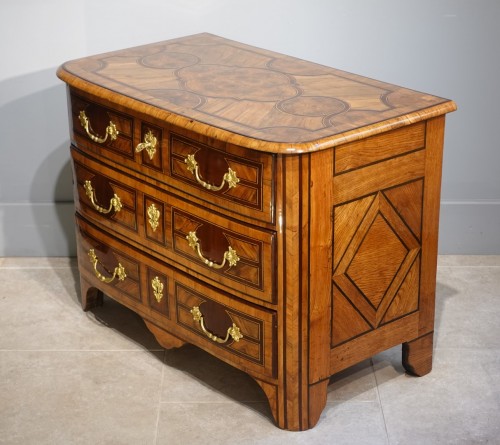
[279, 214]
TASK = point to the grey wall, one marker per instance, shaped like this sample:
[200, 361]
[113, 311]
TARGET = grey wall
[444, 47]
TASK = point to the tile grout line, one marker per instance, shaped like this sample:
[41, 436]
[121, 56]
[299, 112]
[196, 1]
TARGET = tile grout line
[380, 402]
[470, 266]
[38, 268]
[81, 350]
[162, 379]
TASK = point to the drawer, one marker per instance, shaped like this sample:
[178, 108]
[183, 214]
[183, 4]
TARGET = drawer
[214, 320]
[237, 257]
[228, 252]
[212, 173]
[99, 128]
[111, 268]
[240, 333]
[234, 178]
[101, 196]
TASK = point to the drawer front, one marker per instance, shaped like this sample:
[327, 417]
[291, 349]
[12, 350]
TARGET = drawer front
[225, 250]
[240, 333]
[101, 196]
[237, 179]
[213, 319]
[213, 173]
[234, 256]
[112, 268]
[102, 129]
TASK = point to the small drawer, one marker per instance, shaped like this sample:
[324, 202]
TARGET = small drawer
[109, 268]
[235, 178]
[102, 197]
[101, 129]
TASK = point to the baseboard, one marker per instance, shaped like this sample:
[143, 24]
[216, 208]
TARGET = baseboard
[27, 229]
[470, 227]
[30, 229]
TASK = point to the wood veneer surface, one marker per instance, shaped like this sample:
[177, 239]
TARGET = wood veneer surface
[250, 96]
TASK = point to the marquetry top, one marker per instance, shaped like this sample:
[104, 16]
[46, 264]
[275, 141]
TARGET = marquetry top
[249, 96]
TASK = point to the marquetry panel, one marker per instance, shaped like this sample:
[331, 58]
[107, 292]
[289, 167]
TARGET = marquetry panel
[376, 260]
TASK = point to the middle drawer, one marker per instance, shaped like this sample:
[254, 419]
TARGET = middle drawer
[233, 255]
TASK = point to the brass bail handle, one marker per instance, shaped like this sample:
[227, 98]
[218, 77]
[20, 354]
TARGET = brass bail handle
[230, 177]
[230, 255]
[114, 203]
[111, 130]
[232, 332]
[119, 271]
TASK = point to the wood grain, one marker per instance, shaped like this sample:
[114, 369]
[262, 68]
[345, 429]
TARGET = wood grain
[254, 98]
[334, 218]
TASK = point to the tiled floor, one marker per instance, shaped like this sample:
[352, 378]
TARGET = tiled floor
[69, 377]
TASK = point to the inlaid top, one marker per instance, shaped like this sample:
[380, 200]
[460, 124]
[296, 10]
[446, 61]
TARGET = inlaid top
[253, 97]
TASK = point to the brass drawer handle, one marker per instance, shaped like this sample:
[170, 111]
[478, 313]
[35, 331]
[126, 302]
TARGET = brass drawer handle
[229, 255]
[114, 203]
[111, 130]
[118, 272]
[233, 331]
[229, 177]
[149, 144]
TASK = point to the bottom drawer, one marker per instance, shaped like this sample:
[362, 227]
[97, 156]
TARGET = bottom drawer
[237, 332]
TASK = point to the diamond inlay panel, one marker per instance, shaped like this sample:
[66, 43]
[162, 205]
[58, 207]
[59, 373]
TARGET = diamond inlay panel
[375, 264]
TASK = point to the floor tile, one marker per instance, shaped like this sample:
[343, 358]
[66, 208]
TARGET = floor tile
[454, 404]
[37, 262]
[469, 260]
[40, 310]
[468, 308]
[356, 383]
[79, 397]
[100, 377]
[193, 375]
[245, 424]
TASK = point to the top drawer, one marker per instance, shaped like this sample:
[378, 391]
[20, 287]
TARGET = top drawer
[97, 126]
[213, 173]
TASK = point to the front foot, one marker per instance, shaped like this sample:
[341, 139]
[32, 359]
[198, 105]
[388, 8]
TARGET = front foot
[417, 355]
[91, 296]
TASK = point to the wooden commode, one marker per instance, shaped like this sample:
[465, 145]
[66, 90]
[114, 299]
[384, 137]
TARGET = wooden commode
[279, 214]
